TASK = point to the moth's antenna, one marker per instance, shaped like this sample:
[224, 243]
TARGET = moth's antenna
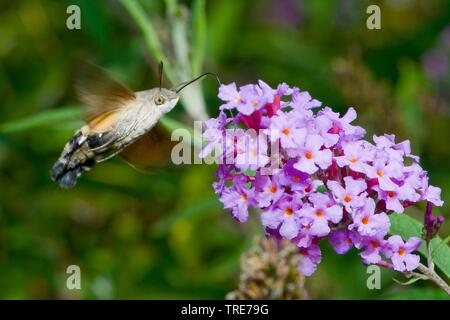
[182, 85]
[160, 74]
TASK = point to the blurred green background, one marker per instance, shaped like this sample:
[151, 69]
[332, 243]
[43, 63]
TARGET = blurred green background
[165, 235]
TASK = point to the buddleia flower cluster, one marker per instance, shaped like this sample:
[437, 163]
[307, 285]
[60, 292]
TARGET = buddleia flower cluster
[313, 175]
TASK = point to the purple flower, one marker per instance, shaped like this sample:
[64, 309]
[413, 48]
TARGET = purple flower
[433, 194]
[266, 91]
[305, 236]
[213, 130]
[384, 171]
[356, 155]
[340, 240]
[248, 98]
[311, 156]
[251, 152]
[223, 174]
[308, 187]
[229, 94]
[400, 253]
[322, 211]
[303, 100]
[285, 128]
[393, 197]
[372, 248]
[324, 127]
[238, 198]
[283, 89]
[269, 190]
[310, 258]
[352, 196]
[253, 99]
[342, 125]
[283, 214]
[294, 178]
[431, 223]
[369, 223]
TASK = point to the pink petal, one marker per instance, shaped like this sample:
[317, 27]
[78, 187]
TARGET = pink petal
[306, 165]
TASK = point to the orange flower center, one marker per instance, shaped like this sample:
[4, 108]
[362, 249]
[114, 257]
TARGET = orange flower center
[286, 131]
[288, 212]
[273, 189]
[296, 179]
[320, 213]
[244, 197]
[348, 241]
[380, 173]
[391, 194]
[347, 198]
[256, 103]
[365, 220]
[401, 251]
[375, 244]
[308, 155]
[238, 100]
[353, 160]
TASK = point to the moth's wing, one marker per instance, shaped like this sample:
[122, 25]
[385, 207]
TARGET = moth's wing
[150, 151]
[103, 122]
[103, 95]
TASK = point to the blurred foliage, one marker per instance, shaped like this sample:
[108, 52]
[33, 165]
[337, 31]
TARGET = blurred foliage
[164, 234]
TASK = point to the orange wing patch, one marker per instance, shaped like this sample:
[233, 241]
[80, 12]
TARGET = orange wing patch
[103, 122]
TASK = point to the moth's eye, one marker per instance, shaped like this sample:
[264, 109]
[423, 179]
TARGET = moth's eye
[159, 100]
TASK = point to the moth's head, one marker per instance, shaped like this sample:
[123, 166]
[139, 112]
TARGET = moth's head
[163, 99]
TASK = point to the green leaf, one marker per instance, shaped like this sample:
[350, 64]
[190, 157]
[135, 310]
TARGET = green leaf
[443, 243]
[45, 118]
[406, 227]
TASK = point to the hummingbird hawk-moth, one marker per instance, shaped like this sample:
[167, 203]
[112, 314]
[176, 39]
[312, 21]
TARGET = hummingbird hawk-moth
[118, 122]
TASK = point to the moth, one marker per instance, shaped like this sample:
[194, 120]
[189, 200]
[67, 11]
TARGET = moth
[118, 122]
